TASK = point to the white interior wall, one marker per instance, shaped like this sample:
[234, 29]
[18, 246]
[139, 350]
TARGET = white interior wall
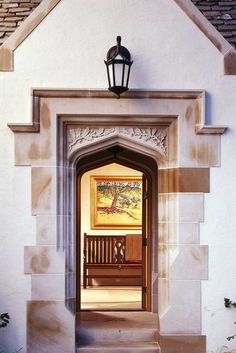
[169, 52]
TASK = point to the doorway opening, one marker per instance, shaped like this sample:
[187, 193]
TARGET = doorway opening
[111, 234]
[115, 233]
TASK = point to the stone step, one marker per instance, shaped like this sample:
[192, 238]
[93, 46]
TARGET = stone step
[116, 335]
[95, 327]
[140, 347]
[117, 318]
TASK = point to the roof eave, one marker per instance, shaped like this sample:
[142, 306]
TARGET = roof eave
[216, 38]
[22, 32]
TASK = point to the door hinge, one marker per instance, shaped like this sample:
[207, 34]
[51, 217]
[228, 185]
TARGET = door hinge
[145, 242]
[144, 289]
[145, 195]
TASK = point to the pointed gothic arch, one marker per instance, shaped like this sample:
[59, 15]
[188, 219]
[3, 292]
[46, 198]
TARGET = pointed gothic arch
[128, 157]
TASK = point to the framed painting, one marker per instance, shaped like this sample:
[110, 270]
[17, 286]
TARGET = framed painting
[116, 202]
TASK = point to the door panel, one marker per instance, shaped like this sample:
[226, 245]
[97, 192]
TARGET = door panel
[144, 241]
[144, 272]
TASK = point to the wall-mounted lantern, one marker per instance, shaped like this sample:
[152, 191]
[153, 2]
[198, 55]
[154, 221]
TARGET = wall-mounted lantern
[118, 68]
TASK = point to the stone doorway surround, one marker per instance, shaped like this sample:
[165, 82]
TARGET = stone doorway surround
[168, 126]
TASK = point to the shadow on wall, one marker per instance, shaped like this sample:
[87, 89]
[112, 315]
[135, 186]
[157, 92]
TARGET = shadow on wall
[208, 109]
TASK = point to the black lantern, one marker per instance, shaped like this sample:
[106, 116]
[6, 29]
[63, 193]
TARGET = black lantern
[118, 68]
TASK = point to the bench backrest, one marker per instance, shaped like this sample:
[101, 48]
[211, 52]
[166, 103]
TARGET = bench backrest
[104, 249]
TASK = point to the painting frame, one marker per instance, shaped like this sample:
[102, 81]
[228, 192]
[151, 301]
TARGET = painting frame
[127, 215]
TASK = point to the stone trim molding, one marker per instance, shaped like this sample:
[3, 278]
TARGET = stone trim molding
[222, 15]
[43, 9]
[210, 130]
[228, 52]
[151, 136]
[24, 30]
[12, 14]
[200, 127]
[204, 25]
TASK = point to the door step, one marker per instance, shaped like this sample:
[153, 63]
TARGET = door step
[141, 347]
[117, 332]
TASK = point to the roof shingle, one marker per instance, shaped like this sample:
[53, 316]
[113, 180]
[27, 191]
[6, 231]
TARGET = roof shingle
[12, 14]
[222, 15]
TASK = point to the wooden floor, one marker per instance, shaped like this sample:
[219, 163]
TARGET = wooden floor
[111, 298]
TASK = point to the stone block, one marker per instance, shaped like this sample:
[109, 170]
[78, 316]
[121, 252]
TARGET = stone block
[182, 343]
[181, 207]
[46, 229]
[183, 180]
[184, 313]
[43, 190]
[47, 287]
[50, 328]
[178, 233]
[189, 262]
[43, 260]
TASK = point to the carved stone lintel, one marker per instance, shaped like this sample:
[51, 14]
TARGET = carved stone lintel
[151, 136]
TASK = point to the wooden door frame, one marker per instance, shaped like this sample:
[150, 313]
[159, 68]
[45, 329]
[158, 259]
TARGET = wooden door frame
[149, 169]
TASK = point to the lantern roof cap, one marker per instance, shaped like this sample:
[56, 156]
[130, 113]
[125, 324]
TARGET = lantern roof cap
[118, 50]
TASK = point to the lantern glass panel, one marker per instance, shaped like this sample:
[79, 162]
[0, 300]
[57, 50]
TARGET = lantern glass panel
[110, 69]
[126, 71]
[119, 73]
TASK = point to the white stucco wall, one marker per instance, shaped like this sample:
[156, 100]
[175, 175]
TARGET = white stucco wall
[169, 52]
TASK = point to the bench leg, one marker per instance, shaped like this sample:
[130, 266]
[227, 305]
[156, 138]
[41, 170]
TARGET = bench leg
[85, 278]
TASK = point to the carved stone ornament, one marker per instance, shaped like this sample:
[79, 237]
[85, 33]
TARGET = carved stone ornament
[152, 137]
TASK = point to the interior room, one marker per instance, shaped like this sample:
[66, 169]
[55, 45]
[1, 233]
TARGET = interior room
[111, 265]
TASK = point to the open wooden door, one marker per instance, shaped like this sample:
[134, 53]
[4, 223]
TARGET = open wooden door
[143, 270]
[145, 301]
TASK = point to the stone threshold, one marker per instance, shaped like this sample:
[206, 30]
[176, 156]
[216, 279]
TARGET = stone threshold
[117, 332]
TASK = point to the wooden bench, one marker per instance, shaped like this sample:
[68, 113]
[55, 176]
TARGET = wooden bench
[106, 261]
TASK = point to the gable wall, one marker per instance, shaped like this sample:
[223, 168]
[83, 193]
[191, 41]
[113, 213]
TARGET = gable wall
[72, 57]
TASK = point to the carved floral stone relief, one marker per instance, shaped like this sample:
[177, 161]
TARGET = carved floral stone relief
[151, 136]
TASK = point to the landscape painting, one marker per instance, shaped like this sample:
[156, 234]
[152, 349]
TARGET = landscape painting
[116, 202]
